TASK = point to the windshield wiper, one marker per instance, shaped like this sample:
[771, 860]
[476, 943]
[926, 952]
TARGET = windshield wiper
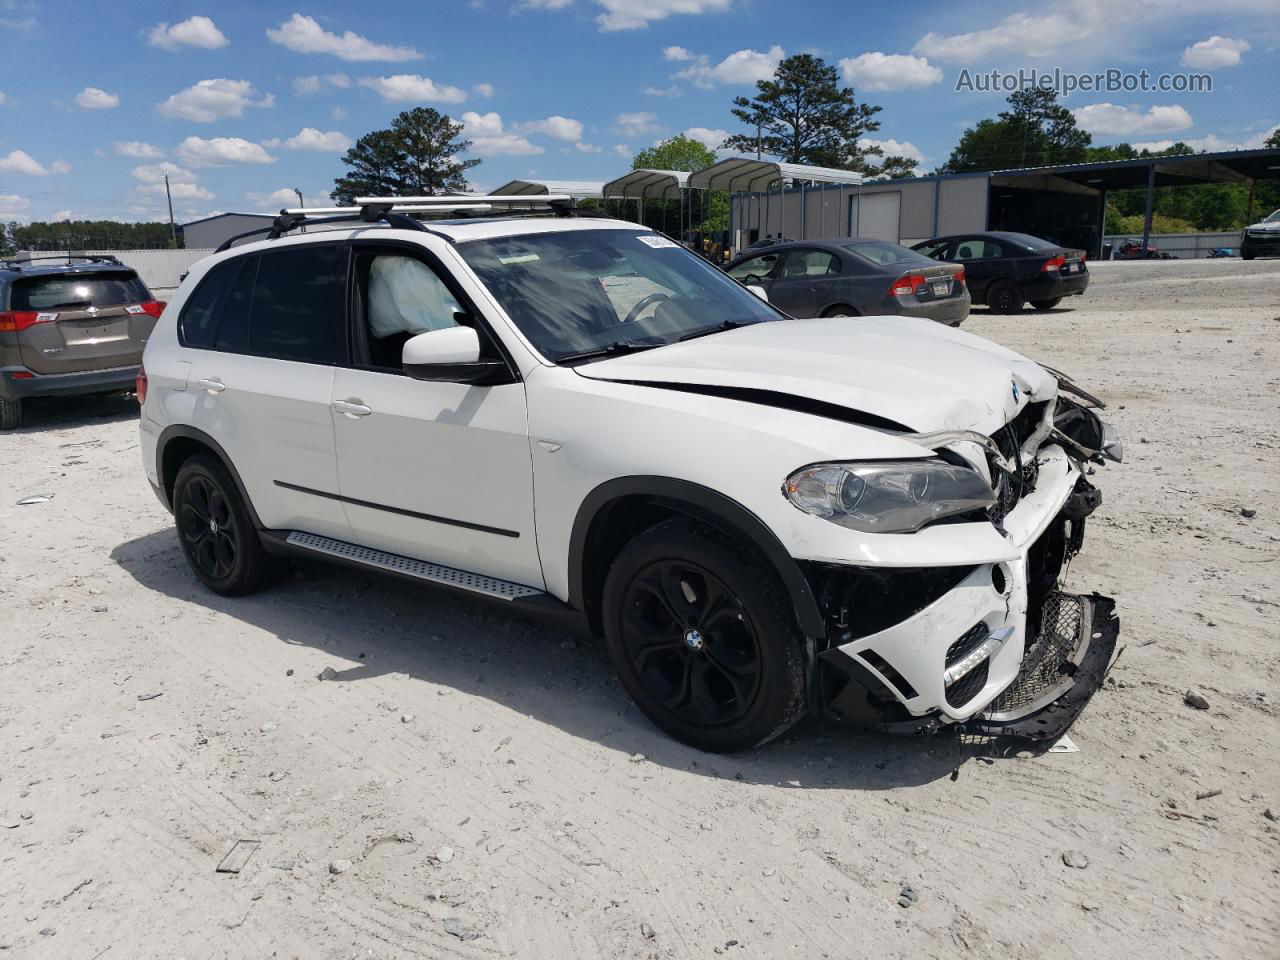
[614, 349]
[718, 328]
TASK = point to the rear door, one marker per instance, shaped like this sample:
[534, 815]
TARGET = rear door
[806, 282]
[84, 320]
[984, 262]
[261, 376]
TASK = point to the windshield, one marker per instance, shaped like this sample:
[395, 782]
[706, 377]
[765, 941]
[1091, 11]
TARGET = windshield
[593, 291]
[1274, 218]
[77, 290]
[877, 251]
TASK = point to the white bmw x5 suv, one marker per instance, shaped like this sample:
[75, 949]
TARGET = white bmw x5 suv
[763, 517]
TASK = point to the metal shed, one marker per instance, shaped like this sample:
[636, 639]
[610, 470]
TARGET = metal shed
[754, 179]
[578, 189]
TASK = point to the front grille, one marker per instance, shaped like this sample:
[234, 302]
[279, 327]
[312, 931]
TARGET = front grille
[970, 641]
[1046, 666]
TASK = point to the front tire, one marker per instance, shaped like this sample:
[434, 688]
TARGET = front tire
[841, 310]
[216, 531]
[10, 413]
[703, 638]
[1046, 304]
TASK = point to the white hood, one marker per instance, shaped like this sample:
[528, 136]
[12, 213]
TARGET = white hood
[914, 372]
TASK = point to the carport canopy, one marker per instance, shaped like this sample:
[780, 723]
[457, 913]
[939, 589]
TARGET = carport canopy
[1228, 166]
[748, 175]
[578, 189]
[647, 185]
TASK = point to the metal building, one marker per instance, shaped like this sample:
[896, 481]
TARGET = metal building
[211, 231]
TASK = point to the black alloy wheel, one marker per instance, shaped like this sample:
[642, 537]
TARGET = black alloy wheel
[1005, 297]
[208, 529]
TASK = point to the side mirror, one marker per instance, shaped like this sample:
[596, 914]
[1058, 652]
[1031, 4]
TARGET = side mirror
[758, 291]
[451, 355]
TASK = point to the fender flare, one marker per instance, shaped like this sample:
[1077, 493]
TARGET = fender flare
[705, 504]
[182, 431]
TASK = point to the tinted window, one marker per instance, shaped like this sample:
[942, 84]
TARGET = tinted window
[977, 248]
[77, 291]
[298, 304]
[810, 263]
[198, 324]
[1030, 242]
[935, 249]
[233, 316]
[760, 267]
[877, 251]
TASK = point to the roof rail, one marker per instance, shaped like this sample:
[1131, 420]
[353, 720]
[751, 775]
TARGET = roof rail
[397, 212]
[15, 263]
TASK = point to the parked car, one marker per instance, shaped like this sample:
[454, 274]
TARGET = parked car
[1006, 270]
[1261, 239]
[763, 517]
[75, 327]
[854, 278]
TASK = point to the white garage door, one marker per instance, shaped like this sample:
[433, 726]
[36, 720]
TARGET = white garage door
[876, 216]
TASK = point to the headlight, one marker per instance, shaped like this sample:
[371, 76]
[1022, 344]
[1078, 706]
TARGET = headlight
[887, 496]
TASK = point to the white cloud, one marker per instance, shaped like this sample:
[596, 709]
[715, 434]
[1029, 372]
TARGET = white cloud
[154, 173]
[556, 127]
[739, 67]
[59, 166]
[338, 113]
[621, 150]
[483, 90]
[315, 83]
[896, 148]
[309, 138]
[11, 204]
[182, 191]
[410, 86]
[546, 4]
[586, 148]
[275, 200]
[637, 124]
[633, 15]
[19, 161]
[676, 53]
[92, 98]
[1112, 119]
[652, 91]
[211, 100]
[889, 71]
[3, 99]
[1212, 143]
[1035, 34]
[489, 137]
[221, 151]
[193, 32]
[62, 215]
[303, 34]
[138, 149]
[711, 139]
[339, 80]
[1215, 52]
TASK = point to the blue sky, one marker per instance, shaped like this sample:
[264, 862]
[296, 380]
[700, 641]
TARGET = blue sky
[242, 102]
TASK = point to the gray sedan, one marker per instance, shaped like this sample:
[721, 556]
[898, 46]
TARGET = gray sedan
[855, 277]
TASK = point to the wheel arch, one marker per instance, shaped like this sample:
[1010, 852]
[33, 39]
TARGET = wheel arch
[179, 442]
[617, 510]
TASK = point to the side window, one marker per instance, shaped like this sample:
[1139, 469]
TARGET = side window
[233, 315]
[809, 264]
[758, 267]
[976, 248]
[401, 297]
[936, 250]
[198, 322]
[297, 307]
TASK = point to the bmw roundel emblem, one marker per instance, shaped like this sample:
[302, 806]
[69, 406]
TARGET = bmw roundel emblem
[1014, 385]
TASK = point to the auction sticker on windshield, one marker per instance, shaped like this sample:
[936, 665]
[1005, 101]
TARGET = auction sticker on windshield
[655, 241]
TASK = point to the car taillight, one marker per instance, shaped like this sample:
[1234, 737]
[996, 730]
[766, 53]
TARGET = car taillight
[153, 307]
[906, 285]
[140, 386]
[958, 277]
[1053, 263]
[15, 321]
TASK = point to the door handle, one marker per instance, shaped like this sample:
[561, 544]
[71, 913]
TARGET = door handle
[351, 408]
[211, 385]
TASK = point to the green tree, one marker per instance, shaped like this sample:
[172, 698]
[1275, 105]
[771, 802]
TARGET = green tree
[804, 115]
[1035, 131]
[417, 156]
[86, 235]
[684, 153]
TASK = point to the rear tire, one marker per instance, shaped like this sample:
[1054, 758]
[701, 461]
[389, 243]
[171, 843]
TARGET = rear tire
[216, 531]
[1005, 297]
[10, 413]
[1046, 304]
[703, 638]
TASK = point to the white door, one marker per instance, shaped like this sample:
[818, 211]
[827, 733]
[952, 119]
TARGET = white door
[877, 216]
[267, 332]
[436, 471]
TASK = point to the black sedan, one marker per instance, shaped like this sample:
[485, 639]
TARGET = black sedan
[1006, 270]
[854, 277]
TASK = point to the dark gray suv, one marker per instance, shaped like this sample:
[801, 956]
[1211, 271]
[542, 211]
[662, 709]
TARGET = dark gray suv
[69, 325]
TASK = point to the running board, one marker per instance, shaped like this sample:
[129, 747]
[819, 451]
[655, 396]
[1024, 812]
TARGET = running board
[407, 566]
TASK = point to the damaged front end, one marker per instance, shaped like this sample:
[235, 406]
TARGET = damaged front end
[995, 648]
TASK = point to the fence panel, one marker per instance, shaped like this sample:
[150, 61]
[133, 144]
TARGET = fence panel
[1182, 245]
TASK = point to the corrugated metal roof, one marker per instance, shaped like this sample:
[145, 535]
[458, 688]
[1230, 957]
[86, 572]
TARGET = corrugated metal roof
[747, 174]
[578, 189]
[647, 184]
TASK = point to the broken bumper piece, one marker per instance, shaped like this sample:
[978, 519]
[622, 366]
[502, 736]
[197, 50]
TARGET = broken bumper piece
[1061, 670]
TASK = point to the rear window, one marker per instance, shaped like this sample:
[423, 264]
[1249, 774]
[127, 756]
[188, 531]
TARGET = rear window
[1030, 242]
[77, 291]
[883, 253]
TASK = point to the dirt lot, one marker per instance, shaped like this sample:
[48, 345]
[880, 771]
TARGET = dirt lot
[471, 785]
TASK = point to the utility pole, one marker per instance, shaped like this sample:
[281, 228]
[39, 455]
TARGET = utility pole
[173, 230]
[299, 193]
[757, 141]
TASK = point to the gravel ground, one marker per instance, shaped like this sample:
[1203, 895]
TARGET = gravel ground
[474, 785]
